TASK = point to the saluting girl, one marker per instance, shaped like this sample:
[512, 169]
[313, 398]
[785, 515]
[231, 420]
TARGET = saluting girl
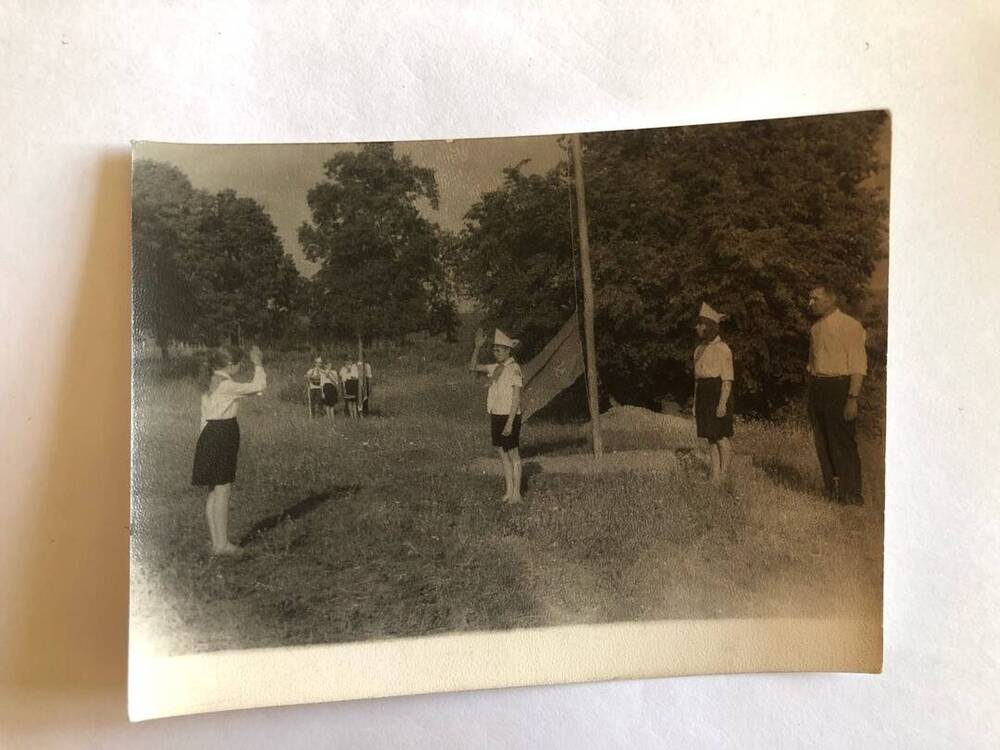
[503, 404]
[713, 386]
[219, 441]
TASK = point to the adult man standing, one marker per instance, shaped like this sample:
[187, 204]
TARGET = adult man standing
[838, 364]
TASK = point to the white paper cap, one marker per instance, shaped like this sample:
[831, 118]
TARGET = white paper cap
[707, 312]
[502, 339]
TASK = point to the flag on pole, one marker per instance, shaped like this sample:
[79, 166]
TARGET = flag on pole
[553, 370]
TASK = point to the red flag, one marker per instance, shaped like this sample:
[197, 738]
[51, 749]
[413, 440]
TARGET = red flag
[553, 370]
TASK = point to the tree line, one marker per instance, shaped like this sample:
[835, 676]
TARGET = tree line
[745, 215]
[211, 268]
[748, 216]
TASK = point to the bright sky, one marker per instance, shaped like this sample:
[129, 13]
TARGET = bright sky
[280, 176]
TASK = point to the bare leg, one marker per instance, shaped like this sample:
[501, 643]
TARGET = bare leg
[725, 458]
[210, 517]
[514, 456]
[713, 452]
[508, 474]
[223, 544]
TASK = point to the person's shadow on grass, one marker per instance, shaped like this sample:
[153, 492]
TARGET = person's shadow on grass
[299, 509]
[529, 470]
[789, 476]
[551, 446]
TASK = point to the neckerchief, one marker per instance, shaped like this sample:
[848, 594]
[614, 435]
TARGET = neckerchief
[497, 372]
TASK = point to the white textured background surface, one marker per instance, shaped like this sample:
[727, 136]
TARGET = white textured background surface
[78, 81]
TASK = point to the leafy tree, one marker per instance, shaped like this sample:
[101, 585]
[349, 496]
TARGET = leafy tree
[381, 270]
[746, 215]
[162, 224]
[515, 254]
[242, 279]
[205, 268]
[442, 289]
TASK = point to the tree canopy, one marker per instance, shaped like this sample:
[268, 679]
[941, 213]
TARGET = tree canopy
[162, 225]
[206, 268]
[381, 271]
[243, 280]
[747, 216]
[515, 254]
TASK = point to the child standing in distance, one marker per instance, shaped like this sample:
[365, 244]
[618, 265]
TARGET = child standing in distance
[713, 386]
[503, 403]
[330, 386]
[349, 381]
[314, 387]
[219, 441]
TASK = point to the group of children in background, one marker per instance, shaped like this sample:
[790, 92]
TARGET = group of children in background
[326, 386]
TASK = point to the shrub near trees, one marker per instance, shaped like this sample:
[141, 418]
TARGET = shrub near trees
[746, 215]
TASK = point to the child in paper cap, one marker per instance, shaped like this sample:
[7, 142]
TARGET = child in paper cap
[713, 385]
[503, 404]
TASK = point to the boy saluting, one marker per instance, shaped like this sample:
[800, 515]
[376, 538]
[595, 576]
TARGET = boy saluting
[503, 403]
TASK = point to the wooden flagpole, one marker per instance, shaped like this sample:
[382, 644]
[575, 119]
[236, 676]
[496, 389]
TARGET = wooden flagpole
[362, 383]
[587, 283]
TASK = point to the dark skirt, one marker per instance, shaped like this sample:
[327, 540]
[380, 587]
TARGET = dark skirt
[507, 442]
[329, 394]
[215, 454]
[351, 388]
[706, 394]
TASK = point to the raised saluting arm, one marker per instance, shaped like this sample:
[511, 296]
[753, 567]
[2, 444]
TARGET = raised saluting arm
[474, 365]
[257, 385]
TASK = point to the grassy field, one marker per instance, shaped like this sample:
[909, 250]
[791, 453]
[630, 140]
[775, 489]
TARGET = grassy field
[390, 526]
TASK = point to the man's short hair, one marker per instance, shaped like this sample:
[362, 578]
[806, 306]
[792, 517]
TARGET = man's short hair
[830, 288]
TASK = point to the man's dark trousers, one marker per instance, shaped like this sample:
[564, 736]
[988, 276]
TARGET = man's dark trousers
[836, 445]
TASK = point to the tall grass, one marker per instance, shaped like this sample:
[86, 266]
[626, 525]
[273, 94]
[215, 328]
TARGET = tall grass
[385, 528]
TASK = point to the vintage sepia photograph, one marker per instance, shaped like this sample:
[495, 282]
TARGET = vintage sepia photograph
[386, 391]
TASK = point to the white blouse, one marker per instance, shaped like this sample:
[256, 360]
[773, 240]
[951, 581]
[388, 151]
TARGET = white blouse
[223, 402]
[500, 397]
[714, 360]
[316, 373]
